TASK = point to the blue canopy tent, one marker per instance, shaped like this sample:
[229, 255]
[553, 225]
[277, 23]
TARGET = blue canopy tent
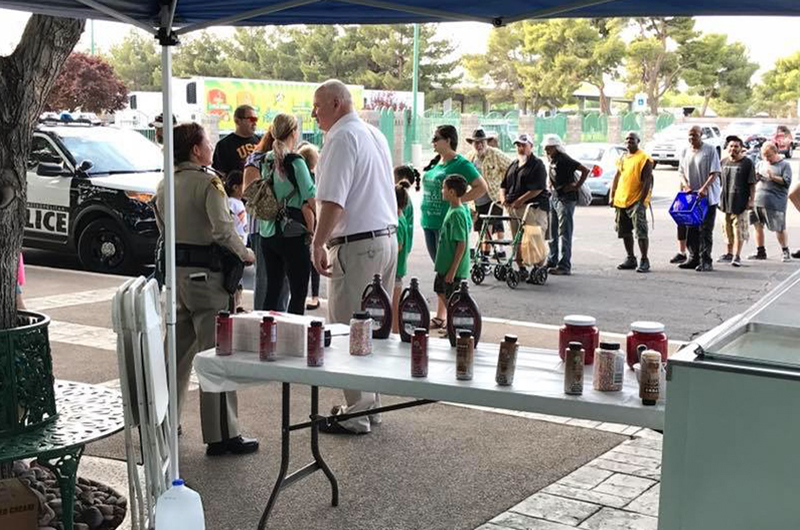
[167, 20]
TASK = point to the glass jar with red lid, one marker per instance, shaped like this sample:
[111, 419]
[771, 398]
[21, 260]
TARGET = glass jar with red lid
[579, 328]
[649, 334]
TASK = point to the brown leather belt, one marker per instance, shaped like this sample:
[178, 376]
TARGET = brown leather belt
[362, 235]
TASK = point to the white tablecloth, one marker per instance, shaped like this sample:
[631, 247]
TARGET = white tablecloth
[538, 383]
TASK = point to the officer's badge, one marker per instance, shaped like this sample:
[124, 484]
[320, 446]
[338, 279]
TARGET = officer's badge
[217, 183]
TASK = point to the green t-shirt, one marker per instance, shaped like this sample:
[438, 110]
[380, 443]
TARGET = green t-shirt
[403, 240]
[456, 227]
[282, 188]
[433, 206]
[408, 211]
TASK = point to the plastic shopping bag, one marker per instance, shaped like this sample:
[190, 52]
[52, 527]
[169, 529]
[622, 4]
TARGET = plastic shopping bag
[533, 248]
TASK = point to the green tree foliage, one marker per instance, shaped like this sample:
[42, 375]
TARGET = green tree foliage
[780, 87]
[718, 71]
[501, 65]
[376, 56]
[654, 58]
[204, 54]
[540, 64]
[604, 56]
[137, 62]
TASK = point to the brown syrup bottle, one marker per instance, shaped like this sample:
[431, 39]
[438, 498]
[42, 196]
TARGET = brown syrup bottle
[414, 312]
[376, 301]
[463, 313]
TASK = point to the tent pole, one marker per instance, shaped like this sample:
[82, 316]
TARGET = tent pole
[169, 247]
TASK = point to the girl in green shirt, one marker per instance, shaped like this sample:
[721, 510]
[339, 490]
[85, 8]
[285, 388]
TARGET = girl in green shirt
[434, 208]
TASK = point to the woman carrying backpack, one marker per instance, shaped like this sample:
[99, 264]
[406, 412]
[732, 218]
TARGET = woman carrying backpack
[285, 239]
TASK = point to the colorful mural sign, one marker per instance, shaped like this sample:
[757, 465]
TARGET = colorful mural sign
[269, 98]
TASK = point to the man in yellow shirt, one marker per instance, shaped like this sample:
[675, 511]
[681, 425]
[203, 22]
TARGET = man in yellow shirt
[630, 196]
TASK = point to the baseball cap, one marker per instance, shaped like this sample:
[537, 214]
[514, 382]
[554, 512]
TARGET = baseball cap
[551, 140]
[524, 139]
[158, 122]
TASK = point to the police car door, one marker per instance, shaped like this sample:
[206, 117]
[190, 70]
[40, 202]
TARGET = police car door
[48, 193]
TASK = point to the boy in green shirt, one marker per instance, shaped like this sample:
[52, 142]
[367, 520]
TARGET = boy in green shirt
[452, 255]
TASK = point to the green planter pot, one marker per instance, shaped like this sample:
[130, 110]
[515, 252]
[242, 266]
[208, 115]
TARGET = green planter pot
[27, 398]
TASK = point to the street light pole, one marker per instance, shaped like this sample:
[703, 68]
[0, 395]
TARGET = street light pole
[91, 31]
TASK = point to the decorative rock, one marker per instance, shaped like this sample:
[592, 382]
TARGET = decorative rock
[55, 504]
[105, 509]
[19, 468]
[46, 528]
[111, 500]
[93, 517]
[81, 526]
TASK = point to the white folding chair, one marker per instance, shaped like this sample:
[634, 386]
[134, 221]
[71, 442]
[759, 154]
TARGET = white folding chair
[125, 360]
[156, 421]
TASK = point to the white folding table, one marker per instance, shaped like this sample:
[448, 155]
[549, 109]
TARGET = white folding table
[538, 387]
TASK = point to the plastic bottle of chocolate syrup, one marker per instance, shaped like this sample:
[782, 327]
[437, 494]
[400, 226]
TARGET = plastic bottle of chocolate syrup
[414, 312]
[377, 301]
[463, 313]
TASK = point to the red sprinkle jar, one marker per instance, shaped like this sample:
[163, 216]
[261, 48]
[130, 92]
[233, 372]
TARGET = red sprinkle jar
[224, 334]
[268, 339]
[579, 328]
[316, 344]
[652, 335]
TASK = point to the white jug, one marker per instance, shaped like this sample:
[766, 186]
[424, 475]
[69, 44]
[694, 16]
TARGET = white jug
[180, 508]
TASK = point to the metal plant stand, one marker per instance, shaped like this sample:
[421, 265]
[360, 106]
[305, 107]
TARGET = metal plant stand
[86, 413]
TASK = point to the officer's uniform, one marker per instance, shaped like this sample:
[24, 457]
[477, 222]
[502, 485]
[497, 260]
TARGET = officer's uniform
[202, 217]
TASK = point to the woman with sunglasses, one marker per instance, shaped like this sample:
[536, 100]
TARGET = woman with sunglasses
[446, 162]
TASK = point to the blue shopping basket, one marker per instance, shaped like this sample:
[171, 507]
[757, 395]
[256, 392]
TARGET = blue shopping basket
[688, 210]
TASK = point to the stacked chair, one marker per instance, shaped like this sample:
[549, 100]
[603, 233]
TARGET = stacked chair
[136, 313]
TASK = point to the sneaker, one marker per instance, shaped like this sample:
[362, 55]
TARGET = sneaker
[680, 257]
[691, 264]
[644, 265]
[725, 258]
[736, 261]
[786, 256]
[705, 267]
[796, 254]
[758, 255]
[558, 271]
[629, 264]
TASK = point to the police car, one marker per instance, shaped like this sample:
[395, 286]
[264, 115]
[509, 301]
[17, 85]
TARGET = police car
[88, 192]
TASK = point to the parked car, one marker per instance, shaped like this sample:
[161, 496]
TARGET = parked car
[88, 192]
[741, 128]
[779, 134]
[601, 159]
[667, 146]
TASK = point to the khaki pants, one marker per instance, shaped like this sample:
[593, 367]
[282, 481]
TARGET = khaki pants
[536, 217]
[353, 266]
[198, 302]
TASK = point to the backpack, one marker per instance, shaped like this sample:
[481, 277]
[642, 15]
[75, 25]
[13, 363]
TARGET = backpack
[289, 220]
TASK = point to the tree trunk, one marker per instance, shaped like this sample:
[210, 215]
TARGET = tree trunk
[26, 77]
[604, 106]
[706, 99]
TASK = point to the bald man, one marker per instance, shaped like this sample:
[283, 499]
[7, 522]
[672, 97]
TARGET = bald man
[699, 171]
[355, 237]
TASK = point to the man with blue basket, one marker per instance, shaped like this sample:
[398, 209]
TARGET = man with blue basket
[699, 171]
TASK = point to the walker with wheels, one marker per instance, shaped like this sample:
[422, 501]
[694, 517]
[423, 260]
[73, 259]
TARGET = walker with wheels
[505, 270]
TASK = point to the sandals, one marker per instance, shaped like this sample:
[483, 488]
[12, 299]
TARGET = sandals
[437, 323]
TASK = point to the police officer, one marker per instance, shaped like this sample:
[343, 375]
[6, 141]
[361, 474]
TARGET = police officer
[202, 218]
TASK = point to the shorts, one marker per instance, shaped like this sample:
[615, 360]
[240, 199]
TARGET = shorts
[774, 220]
[536, 217]
[735, 227]
[398, 282]
[483, 209]
[632, 219]
[447, 289]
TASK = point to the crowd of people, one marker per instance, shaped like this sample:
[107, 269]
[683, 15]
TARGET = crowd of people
[346, 214]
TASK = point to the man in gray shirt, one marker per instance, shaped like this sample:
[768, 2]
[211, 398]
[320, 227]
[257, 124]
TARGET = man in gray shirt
[699, 172]
[774, 176]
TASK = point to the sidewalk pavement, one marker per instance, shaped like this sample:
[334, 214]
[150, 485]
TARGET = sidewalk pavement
[616, 491]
